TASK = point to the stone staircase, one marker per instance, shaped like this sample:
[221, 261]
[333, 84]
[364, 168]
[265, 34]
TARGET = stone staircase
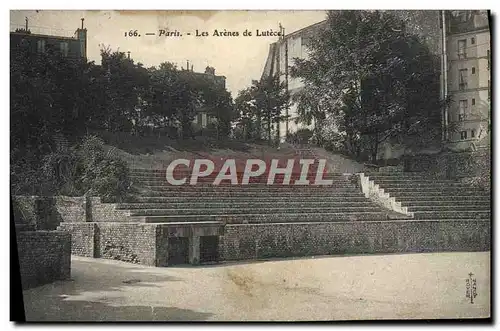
[160, 202]
[430, 198]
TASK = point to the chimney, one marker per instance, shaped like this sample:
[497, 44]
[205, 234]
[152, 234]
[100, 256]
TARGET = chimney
[26, 23]
[128, 55]
[187, 65]
[81, 35]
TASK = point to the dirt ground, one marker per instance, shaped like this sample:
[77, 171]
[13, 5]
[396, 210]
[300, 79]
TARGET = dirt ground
[408, 286]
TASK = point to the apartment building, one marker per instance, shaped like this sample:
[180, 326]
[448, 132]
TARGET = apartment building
[425, 23]
[202, 118]
[279, 59]
[71, 47]
[469, 79]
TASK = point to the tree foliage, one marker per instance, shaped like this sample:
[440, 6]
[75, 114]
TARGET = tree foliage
[261, 106]
[51, 94]
[378, 80]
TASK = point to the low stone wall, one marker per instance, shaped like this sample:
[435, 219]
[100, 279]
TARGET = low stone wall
[106, 212]
[130, 242]
[46, 213]
[256, 241]
[72, 209]
[44, 257]
[84, 238]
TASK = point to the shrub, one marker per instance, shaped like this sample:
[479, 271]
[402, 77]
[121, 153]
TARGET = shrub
[85, 169]
[58, 173]
[102, 174]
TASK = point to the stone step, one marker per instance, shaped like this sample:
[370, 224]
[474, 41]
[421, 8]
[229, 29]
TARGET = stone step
[483, 214]
[256, 180]
[251, 199]
[431, 191]
[417, 175]
[449, 202]
[263, 218]
[255, 189]
[200, 182]
[245, 211]
[457, 208]
[239, 172]
[239, 204]
[385, 180]
[418, 184]
[263, 194]
[418, 197]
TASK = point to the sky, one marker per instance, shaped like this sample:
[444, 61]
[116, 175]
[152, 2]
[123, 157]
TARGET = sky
[240, 59]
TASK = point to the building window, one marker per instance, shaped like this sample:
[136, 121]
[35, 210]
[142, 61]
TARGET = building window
[473, 70]
[472, 40]
[64, 48]
[462, 110]
[472, 133]
[462, 46]
[463, 135]
[462, 79]
[40, 46]
[473, 101]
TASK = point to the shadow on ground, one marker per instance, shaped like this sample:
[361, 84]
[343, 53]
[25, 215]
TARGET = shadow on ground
[100, 311]
[105, 287]
[223, 264]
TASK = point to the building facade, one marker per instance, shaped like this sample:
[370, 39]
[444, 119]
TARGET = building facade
[279, 59]
[202, 118]
[71, 47]
[468, 51]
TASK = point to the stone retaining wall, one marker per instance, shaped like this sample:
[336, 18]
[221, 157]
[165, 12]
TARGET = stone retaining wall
[46, 213]
[44, 257]
[84, 238]
[256, 241]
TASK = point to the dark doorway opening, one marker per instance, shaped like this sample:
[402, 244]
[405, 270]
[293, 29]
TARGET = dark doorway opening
[209, 249]
[178, 250]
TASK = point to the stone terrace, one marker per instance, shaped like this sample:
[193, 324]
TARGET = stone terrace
[253, 203]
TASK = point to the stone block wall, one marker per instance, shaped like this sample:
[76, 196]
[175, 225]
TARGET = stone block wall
[106, 212]
[46, 213]
[72, 209]
[44, 257]
[256, 241]
[130, 242]
[84, 237]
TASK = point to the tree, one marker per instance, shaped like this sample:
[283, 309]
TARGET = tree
[123, 86]
[49, 94]
[378, 80]
[263, 103]
[248, 116]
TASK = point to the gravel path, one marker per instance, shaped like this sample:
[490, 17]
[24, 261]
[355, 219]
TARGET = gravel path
[323, 288]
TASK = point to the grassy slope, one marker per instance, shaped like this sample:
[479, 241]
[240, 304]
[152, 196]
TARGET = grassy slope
[157, 153]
